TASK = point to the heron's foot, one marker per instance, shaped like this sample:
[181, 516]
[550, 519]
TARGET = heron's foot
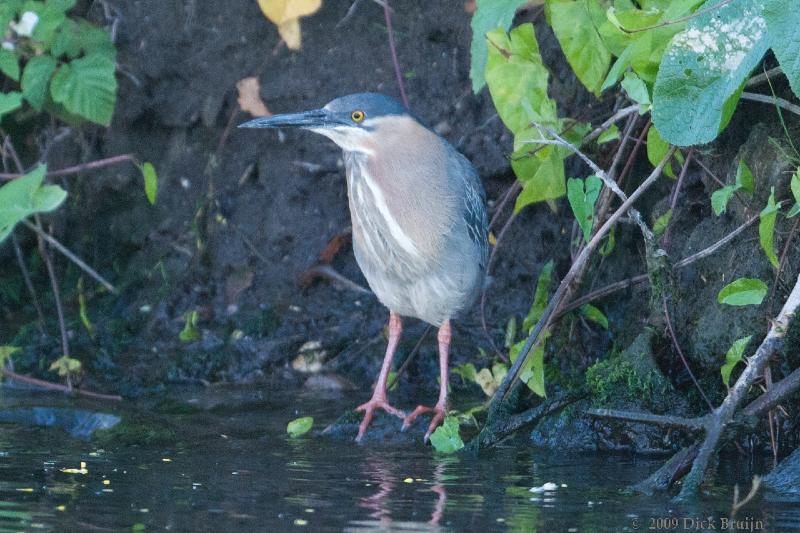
[438, 411]
[369, 409]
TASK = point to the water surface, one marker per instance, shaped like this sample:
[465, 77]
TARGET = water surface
[226, 464]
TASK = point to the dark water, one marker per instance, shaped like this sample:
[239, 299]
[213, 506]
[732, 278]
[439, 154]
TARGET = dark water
[230, 467]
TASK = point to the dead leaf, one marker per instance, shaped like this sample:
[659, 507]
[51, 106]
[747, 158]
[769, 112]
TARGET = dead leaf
[250, 97]
[470, 7]
[285, 14]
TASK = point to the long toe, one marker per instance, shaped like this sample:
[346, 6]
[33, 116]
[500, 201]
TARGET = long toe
[407, 421]
[369, 409]
[438, 418]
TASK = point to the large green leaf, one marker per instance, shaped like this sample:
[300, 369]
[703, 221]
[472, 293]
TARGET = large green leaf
[517, 79]
[577, 34]
[87, 87]
[446, 438]
[743, 291]
[10, 102]
[26, 196]
[489, 15]
[766, 228]
[704, 69]
[783, 21]
[35, 79]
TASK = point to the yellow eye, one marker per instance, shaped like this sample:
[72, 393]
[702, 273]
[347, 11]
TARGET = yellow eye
[357, 116]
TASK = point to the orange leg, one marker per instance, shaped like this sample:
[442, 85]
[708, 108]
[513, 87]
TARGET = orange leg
[440, 409]
[378, 400]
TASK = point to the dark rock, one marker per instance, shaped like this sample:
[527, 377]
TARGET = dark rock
[77, 422]
[785, 479]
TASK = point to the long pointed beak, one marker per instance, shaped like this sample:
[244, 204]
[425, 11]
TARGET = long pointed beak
[317, 118]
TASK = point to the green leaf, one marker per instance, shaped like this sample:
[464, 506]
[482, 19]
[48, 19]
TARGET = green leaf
[300, 426]
[489, 14]
[611, 134]
[68, 41]
[704, 70]
[35, 79]
[5, 354]
[87, 87]
[190, 332]
[446, 438]
[744, 177]
[511, 332]
[541, 174]
[150, 182]
[518, 79]
[65, 366]
[657, 148]
[533, 376]
[630, 20]
[766, 228]
[734, 356]
[9, 64]
[25, 196]
[51, 16]
[637, 91]
[582, 196]
[10, 102]
[795, 186]
[594, 314]
[720, 199]
[577, 34]
[532, 372]
[540, 297]
[743, 291]
[610, 243]
[661, 223]
[783, 19]
[467, 372]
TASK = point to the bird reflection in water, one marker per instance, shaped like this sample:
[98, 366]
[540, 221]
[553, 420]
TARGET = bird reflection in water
[380, 471]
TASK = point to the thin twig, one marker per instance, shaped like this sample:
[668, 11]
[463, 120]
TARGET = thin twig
[410, 358]
[693, 424]
[674, 199]
[678, 349]
[71, 256]
[57, 386]
[643, 278]
[28, 283]
[387, 14]
[56, 292]
[764, 99]
[91, 165]
[616, 117]
[764, 76]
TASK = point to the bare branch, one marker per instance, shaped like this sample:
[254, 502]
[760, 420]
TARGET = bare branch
[71, 256]
[693, 424]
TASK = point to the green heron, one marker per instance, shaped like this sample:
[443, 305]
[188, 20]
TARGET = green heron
[420, 233]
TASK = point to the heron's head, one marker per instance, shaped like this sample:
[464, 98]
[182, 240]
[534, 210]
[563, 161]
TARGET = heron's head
[350, 121]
